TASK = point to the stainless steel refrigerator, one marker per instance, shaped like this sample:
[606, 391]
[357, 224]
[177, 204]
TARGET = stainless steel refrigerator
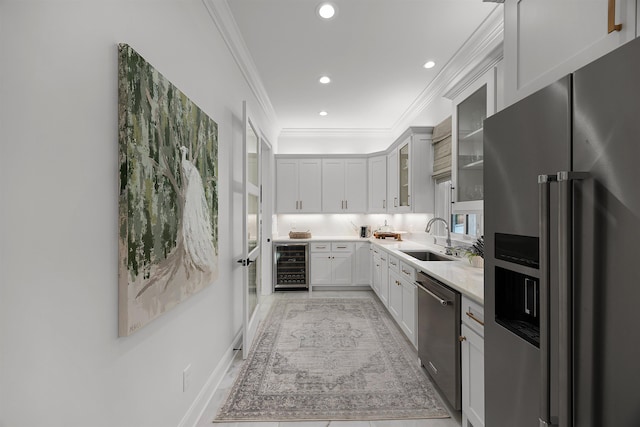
[562, 261]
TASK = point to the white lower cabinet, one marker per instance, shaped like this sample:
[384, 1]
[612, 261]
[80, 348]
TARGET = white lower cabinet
[403, 304]
[395, 296]
[332, 264]
[409, 309]
[362, 264]
[321, 268]
[376, 271]
[472, 353]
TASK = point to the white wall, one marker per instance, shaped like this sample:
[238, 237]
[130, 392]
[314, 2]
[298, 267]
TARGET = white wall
[334, 143]
[61, 362]
[362, 142]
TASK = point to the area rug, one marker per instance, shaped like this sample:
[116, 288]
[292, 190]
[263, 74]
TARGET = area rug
[330, 359]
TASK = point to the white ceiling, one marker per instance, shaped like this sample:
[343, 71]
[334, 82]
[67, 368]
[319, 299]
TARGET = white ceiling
[373, 50]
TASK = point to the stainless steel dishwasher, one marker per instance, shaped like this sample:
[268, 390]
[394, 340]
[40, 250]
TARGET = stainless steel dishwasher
[438, 332]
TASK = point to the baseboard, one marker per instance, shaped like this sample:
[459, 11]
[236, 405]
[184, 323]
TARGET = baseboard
[195, 412]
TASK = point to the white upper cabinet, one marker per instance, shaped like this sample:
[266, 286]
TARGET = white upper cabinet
[547, 39]
[378, 184]
[355, 186]
[344, 185]
[470, 108]
[392, 181]
[298, 185]
[409, 166]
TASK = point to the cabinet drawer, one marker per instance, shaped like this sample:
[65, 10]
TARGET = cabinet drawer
[321, 247]
[407, 271]
[473, 315]
[342, 247]
[394, 264]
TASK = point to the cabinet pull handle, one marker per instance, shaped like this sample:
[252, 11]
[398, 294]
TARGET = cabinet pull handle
[341, 247]
[384, 204]
[405, 271]
[472, 316]
[395, 202]
[346, 204]
[462, 338]
[612, 18]
[300, 204]
[297, 203]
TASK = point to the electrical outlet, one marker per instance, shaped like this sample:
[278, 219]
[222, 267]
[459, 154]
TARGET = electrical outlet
[186, 378]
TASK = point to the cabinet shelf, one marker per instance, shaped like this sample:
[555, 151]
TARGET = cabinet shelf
[474, 165]
[472, 134]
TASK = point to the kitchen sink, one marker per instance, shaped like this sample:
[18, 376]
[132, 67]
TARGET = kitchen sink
[427, 256]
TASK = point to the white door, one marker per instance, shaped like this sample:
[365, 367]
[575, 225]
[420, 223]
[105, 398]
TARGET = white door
[287, 200]
[321, 268]
[342, 267]
[333, 185]
[392, 181]
[355, 188]
[310, 185]
[378, 184]
[252, 232]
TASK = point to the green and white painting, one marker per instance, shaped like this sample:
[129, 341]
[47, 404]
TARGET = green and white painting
[168, 235]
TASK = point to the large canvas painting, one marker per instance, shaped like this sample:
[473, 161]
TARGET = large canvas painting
[168, 235]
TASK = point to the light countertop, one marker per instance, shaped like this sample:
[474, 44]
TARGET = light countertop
[459, 274]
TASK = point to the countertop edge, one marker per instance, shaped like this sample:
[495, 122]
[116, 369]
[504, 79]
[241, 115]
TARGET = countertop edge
[474, 289]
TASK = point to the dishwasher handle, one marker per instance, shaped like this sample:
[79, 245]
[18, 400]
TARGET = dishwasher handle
[440, 300]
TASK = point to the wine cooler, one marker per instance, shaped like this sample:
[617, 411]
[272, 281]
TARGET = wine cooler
[291, 266]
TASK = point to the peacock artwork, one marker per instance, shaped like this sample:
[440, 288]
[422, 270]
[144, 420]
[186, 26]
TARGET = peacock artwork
[168, 220]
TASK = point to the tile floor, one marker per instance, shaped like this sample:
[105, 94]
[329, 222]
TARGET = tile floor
[227, 382]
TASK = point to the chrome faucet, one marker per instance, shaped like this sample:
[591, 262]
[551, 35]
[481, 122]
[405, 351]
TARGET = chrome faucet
[446, 226]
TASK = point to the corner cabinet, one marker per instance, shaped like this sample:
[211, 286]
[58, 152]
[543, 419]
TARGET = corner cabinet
[377, 184]
[409, 168]
[362, 264]
[471, 107]
[298, 185]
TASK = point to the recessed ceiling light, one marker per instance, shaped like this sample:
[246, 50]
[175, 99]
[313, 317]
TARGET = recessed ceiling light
[429, 64]
[326, 10]
[323, 113]
[324, 80]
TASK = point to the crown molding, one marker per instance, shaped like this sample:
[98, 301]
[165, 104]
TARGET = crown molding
[223, 19]
[482, 50]
[335, 132]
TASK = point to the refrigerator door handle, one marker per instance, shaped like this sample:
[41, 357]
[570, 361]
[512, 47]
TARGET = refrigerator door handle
[565, 294]
[544, 182]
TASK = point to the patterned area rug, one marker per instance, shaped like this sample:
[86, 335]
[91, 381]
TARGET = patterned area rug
[330, 359]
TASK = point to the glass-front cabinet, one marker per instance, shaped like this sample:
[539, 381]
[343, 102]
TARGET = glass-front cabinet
[471, 107]
[403, 176]
[409, 169]
[471, 114]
